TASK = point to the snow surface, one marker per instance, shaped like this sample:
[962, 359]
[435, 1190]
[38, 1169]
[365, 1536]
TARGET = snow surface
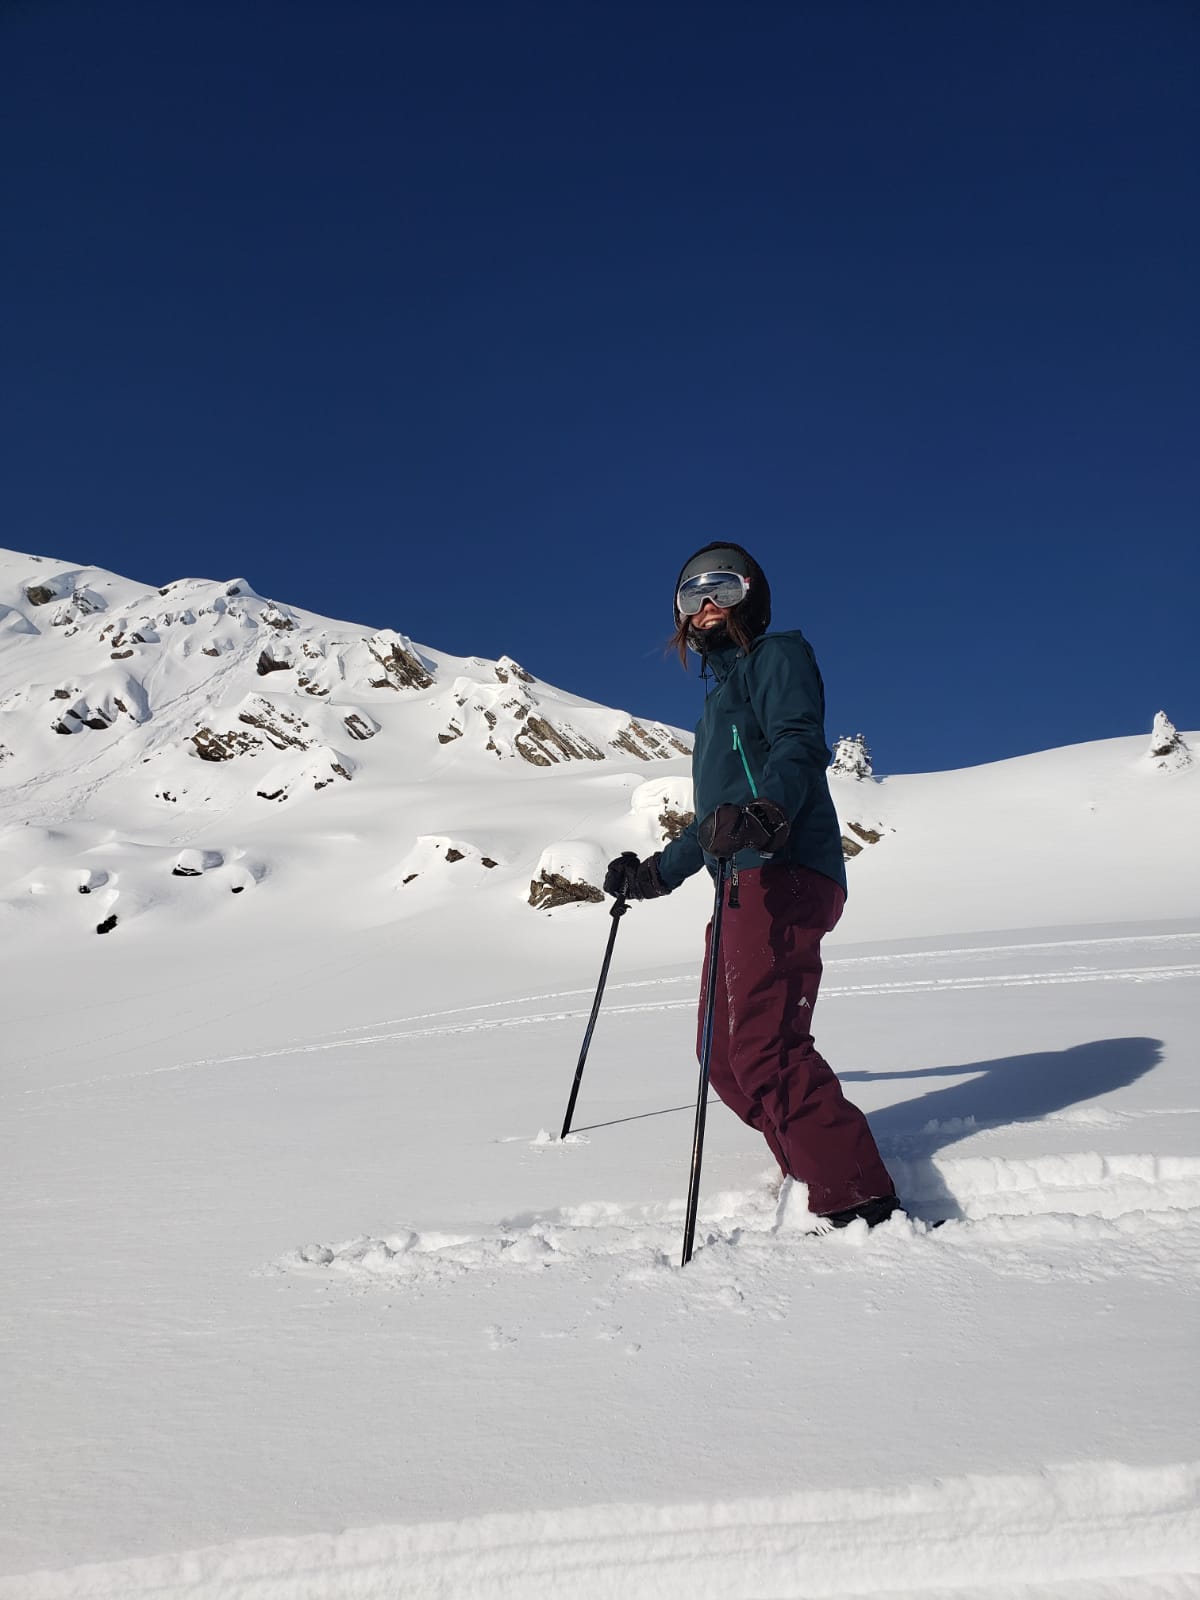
[302, 1296]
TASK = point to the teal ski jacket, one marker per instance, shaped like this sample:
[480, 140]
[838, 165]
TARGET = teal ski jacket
[762, 736]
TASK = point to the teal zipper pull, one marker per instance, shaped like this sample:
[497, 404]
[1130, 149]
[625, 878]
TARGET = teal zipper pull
[738, 746]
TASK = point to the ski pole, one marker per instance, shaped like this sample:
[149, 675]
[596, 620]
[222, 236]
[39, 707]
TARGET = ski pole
[619, 908]
[706, 1036]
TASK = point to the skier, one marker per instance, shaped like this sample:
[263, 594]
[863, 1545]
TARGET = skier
[763, 803]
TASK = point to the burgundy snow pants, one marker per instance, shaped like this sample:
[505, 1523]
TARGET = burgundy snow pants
[764, 1065]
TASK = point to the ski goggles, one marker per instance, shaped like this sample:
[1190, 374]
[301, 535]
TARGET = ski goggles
[724, 589]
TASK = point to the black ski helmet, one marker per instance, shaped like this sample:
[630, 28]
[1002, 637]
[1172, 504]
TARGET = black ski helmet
[755, 609]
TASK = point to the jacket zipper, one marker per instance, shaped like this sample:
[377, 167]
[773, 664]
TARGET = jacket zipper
[734, 898]
[740, 748]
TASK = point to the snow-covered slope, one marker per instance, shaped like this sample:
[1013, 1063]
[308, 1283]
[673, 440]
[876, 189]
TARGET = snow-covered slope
[301, 1299]
[151, 734]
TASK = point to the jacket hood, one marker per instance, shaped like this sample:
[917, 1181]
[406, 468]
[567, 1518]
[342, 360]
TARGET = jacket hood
[721, 556]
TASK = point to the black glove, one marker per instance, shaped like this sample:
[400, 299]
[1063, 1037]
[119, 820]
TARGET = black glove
[761, 826]
[634, 879]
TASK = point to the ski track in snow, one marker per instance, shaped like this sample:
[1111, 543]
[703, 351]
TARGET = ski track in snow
[369, 1034]
[1101, 1530]
[832, 964]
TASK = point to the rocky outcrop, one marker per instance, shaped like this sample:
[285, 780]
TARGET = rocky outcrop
[266, 726]
[272, 725]
[399, 665]
[44, 591]
[274, 661]
[507, 668]
[852, 847]
[655, 743]
[550, 889]
[100, 709]
[276, 616]
[283, 729]
[212, 746]
[544, 745]
[83, 602]
[673, 823]
[569, 872]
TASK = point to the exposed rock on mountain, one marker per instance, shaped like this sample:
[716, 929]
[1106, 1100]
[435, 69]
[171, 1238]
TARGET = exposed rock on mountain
[859, 836]
[648, 744]
[569, 872]
[550, 889]
[543, 745]
[401, 666]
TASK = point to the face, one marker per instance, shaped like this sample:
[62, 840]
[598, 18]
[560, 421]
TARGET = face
[709, 615]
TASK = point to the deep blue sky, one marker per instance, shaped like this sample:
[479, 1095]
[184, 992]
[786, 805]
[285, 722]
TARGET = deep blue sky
[475, 319]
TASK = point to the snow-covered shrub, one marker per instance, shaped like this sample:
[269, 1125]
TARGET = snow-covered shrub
[1168, 750]
[852, 757]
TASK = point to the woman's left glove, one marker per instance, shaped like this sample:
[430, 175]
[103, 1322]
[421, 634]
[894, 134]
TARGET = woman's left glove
[634, 879]
[761, 826]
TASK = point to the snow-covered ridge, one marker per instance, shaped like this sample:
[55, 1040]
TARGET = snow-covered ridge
[133, 720]
[163, 750]
[220, 670]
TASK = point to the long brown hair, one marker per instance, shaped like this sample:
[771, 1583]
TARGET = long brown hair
[734, 626]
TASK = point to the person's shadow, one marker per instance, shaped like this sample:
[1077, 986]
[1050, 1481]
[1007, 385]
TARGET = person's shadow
[1008, 1090]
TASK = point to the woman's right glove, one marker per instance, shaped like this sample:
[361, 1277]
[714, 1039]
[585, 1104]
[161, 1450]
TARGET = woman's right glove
[761, 826]
[633, 879]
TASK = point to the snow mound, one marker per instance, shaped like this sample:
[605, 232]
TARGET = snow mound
[193, 863]
[445, 858]
[665, 806]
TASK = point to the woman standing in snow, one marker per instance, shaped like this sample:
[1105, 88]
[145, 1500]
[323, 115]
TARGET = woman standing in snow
[763, 802]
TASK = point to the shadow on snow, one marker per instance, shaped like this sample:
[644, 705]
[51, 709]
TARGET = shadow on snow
[1009, 1089]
